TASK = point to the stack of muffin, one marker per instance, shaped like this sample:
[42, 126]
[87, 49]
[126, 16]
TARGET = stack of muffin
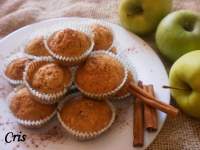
[52, 64]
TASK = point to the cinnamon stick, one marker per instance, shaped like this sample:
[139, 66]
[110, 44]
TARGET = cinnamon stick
[150, 113]
[150, 100]
[138, 124]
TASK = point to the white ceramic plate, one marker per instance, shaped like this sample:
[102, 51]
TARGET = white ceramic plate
[145, 61]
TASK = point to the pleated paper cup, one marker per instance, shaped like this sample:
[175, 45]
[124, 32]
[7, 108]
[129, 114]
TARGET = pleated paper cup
[35, 57]
[29, 123]
[47, 98]
[84, 135]
[72, 60]
[110, 93]
[5, 65]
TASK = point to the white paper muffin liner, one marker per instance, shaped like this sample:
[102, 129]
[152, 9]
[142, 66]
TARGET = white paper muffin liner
[35, 57]
[74, 59]
[110, 93]
[5, 65]
[84, 135]
[50, 98]
[107, 25]
[28, 123]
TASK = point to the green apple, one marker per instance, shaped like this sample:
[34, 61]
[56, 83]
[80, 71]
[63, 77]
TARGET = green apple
[143, 16]
[185, 77]
[178, 33]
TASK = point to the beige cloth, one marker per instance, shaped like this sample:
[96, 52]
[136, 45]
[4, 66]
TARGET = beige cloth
[177, 134]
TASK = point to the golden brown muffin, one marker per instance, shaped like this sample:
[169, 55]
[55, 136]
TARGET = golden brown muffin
[16, 68]
[100, 74]
[69, 43]
[50, 78]
[86, 115]
[124, 90]
[103, 37]
[36, 47]
[24, 106]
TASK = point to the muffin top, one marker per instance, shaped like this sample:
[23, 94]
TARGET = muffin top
[100, 74]
[124, 90]
[16, 68]
[69, 43]
[24, 106]
[103, 37]
[86, 115]
[50, 78]
[36, 47]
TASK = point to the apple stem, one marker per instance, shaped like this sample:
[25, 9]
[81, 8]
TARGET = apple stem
[174, 88]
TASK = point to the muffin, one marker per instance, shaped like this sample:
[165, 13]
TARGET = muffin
[103, 37]
[28, 110]
[47, 80]
[15, 68]
[69, 45]
[101, 75]
[85, 118]
[36, 47]
[50, 78]
[123, 92]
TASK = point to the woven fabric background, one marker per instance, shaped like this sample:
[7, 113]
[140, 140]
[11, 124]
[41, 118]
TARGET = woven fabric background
[181, 133]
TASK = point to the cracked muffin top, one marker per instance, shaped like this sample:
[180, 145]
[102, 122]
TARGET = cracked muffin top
[49, 77]
[69, 43]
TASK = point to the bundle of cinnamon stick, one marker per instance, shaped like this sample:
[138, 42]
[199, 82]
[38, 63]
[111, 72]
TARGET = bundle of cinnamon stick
[145, 111]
